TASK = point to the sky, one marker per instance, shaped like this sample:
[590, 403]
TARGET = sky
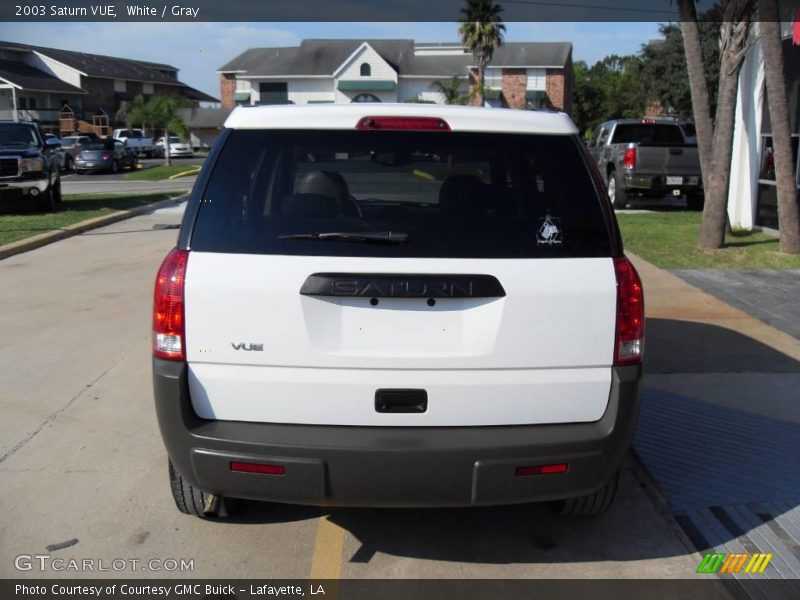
[199, 49]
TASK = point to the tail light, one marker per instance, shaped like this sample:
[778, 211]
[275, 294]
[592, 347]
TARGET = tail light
[629, 160]
[629, 339]
[78, 156]
[168, 307]
[395, 123]
[106, 156]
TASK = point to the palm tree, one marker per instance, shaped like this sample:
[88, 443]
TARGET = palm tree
[481, 32]
[734, 45]
[165, 111]
[770, 34]
[451, 90]
[698, 85]
[137, 112]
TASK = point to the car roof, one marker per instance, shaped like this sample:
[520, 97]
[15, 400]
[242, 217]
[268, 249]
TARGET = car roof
[346, 116]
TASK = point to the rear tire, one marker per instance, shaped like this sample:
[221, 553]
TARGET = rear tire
[591, 504]
[114, 167]
[616, 191]
[191, 500]
[68, 164]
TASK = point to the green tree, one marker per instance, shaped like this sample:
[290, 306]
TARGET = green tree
[611, 88]
[137, 112]
[452, 90]
[156, 113]
[481, 32]
[165, 113]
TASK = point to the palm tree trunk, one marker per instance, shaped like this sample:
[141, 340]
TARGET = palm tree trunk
[167, 155]
[788, 217]
[698, 84]
[733, 49]
[481, 79]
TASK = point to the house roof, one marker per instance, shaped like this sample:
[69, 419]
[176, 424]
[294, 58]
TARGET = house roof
[313, 57]
[205, 118]
[317, 57]
[98, 65]
[195, 94]
[31, 78]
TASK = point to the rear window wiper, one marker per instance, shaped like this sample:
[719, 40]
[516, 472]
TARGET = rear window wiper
[375, 237]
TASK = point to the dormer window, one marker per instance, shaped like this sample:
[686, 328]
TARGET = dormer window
[366, 70]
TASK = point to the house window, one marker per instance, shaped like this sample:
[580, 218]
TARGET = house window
[537, 79]
[276, 92]
[22, 103]
[366, 98]
[147, 89]
[493, 79]
[366, 70]
[120, 85]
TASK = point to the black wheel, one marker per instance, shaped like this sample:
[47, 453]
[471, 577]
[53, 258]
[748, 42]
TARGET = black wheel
[149, 154]
[591, 504]
[68, 163]
[114, 166]
[191, 500]
[695, 201]
[616, 191]
[48, 201]
[56, 193]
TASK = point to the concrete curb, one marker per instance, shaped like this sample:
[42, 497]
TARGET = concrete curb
[49, 237]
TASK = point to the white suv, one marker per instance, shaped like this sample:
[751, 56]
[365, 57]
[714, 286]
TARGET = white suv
[397, 305]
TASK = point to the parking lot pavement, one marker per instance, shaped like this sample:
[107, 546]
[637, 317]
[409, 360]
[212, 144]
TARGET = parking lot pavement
[720, 425]
[81, 459]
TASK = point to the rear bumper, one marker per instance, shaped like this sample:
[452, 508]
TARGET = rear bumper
[394, 466]
[657, 184]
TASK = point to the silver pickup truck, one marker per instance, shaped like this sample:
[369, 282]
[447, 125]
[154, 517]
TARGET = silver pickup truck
[647, 158]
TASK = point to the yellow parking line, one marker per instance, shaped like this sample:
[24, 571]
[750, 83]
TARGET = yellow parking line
[326, 562]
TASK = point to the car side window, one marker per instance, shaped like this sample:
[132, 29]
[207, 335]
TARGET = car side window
[602, 138]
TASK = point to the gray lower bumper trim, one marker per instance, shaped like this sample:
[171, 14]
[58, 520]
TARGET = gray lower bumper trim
[394, 466]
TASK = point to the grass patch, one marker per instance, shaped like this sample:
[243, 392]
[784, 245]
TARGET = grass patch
[667, 239]
[158, 173]
[75, 208]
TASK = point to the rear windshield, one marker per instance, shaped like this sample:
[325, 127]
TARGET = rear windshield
[460, 195]
[642, 133]
[130, 133]
[99, 145]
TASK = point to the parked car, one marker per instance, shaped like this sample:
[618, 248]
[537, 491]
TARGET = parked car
[72, 145]
[136, 140]
[177, 147]
[647, 158]
[29, 166]
[105, 155]
[401, 332]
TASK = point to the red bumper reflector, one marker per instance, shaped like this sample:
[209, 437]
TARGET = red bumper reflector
[244, 467]
[542, 470]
